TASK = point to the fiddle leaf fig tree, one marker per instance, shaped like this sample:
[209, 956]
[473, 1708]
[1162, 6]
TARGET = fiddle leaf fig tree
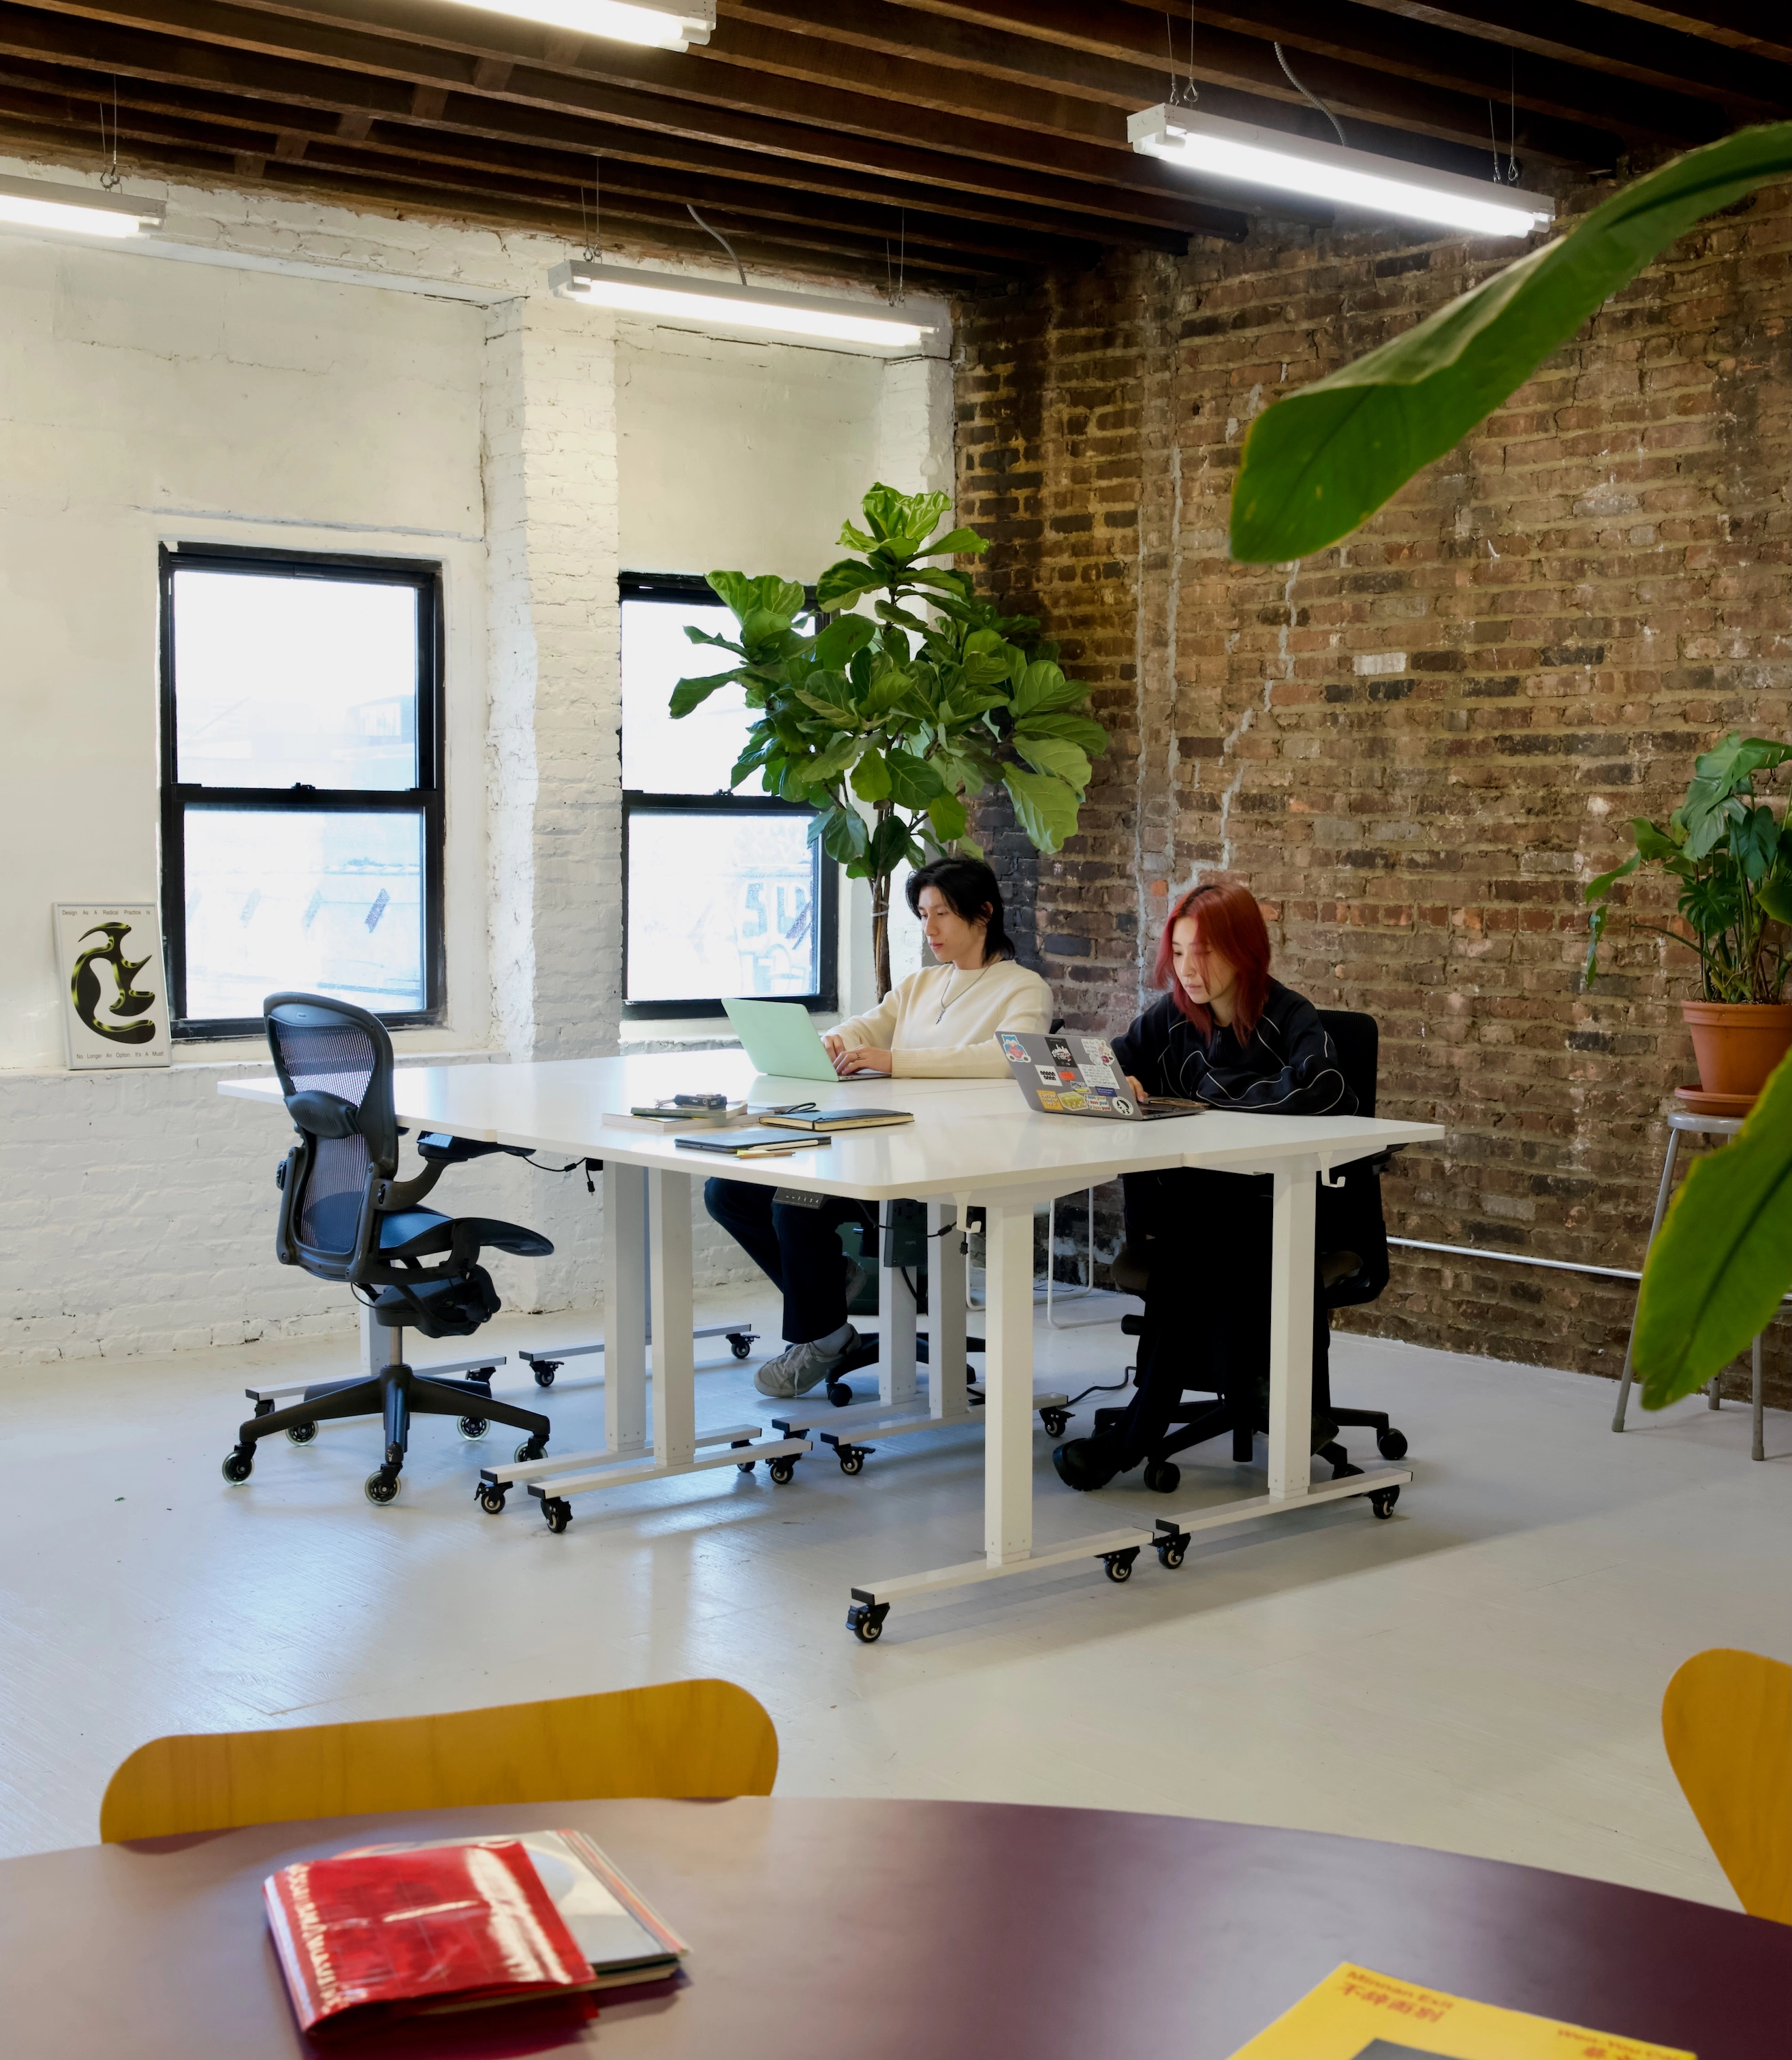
[887, 723]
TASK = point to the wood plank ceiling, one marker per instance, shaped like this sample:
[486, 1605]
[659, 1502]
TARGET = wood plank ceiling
[977, 140]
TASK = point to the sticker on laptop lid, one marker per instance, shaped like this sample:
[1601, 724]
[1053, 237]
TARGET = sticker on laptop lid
[1093, 1048]
[1048, 1076]
[1094, 1071]
[1073, 1100]
[1012, 1047]
[1048, 1099]
[1060, 1051]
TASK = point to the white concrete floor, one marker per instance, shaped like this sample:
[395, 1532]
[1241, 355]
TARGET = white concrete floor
[1483, 1673]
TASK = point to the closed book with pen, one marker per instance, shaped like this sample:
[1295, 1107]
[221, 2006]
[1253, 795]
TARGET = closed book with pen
[823, 1119]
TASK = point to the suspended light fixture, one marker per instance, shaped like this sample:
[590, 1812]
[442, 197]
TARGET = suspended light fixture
[663, 25]
[87, 210]
[1238, 150]
[702, 304]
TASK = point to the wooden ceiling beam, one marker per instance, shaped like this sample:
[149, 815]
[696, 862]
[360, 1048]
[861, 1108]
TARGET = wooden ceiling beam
[1570, 32]
[1233, 47]
[1762, 27]
[204, 148]
[861, 134]
[972, 246]
[1240, 75]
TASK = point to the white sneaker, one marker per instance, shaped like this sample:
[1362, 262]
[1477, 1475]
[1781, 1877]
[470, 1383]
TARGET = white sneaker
[797, 1368]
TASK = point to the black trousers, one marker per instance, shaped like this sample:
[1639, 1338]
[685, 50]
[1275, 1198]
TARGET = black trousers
[1208, 1238]
[796, 1248]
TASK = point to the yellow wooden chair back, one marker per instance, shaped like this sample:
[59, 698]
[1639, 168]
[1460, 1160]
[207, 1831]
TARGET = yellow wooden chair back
[685, 1737]
[1727, 1719]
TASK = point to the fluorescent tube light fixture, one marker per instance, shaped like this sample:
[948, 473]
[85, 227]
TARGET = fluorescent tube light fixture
[87, 210]
[701, 303]
[1327, 172]
[663, 25]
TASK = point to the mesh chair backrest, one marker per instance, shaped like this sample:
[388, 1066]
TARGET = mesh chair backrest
[1357, 1039]
[331, 1046]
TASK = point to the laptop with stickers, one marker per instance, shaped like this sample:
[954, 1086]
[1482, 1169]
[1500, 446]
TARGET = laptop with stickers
[1066, 1074]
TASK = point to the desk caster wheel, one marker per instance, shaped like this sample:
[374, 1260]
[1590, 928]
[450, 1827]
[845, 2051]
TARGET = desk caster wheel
[380, 1487]
[1056, 1421]
[301, 1433]
[1382, 1502]
[1163, 1476]
[782, 1472]
[840, 1395]
[740, 1343]
[744, 1466]
[531, 1448]
[239, 1466]
[865, 1621]
[264, 1407]
[1171, 1552]
[1120, 1564]
[490, 1499]
[1344, 1470]
[556, 1513]
[851, 1460]
[545, 1369]
[474, 1427]
[1392, 1443]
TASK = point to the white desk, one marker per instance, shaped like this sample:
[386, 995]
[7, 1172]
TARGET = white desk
[974, 1143]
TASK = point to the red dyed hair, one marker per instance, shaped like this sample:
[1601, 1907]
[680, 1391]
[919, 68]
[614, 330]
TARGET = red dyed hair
[1226, 920]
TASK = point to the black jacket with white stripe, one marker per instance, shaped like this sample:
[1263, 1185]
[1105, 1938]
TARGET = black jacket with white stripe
[1289, 1068]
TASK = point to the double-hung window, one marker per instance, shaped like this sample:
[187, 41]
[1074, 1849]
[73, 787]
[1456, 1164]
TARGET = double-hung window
[725, 895]
[301, 783]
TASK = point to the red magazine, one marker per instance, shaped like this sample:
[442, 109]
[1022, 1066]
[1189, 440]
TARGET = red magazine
[369, 1936]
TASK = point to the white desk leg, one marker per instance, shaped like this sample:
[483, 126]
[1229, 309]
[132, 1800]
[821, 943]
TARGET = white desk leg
[624, 1309]
[948, 1401]
[668, 1227]
[1291, 1333]
[1007, 1450]
[896, 1305]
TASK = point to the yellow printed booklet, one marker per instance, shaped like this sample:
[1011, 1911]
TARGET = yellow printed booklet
[1354, 2014]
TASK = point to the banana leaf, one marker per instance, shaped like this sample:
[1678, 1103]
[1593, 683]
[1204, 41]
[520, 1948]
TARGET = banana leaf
[1320, 462]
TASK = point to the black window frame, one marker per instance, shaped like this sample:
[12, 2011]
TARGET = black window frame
[427, 799]
[691, 591]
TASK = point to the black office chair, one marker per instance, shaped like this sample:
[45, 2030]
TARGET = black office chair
[344, 1216]
[1351, 1235]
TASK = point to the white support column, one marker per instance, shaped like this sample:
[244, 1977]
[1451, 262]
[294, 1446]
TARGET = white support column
[1007, 1450]
[376, 1344]
[1291, 1331]
[947, 1399]
[624, 1309]
[895, 1311]
[668, 1230]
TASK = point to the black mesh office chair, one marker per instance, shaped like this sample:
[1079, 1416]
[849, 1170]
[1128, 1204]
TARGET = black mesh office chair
[1351, 1236]
[344, 1216]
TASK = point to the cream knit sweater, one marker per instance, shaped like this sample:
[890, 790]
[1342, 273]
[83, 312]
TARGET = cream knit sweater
[956, 1041]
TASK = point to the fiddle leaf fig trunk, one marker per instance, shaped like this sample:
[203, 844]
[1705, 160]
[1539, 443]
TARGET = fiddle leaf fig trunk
[889, 723]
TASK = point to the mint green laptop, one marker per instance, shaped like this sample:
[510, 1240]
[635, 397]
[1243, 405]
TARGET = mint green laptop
[779, 1038]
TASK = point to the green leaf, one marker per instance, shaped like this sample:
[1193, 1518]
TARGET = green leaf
[1079, 730]
[1652, 843]
[842, 584]
[1043, 806]
[871, 778]
[846, 839]
[1713, 1278]
[781, 598]
[1052, 754]
[1597, 890]
[958, 541]
[1320, 462]
[840, 639]
[706, 636]
[900, 522]
[946, 813]
[913, 782]
[692, 693]
[1775, 895]
[826, 767]
[1755, 843]
[891, 845]
[1043, 688]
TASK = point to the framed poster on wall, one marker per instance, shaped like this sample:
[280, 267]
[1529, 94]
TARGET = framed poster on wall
[115, 990]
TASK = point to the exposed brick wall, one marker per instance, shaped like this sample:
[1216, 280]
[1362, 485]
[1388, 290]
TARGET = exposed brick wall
[1417, 747]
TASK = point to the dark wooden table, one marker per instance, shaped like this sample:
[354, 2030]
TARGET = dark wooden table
[826, 1928]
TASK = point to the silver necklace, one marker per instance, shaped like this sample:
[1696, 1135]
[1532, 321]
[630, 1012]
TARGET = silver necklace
[950, 997]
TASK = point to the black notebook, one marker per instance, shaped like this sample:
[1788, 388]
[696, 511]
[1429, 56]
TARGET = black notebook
[751, 1144]
[837, 1118]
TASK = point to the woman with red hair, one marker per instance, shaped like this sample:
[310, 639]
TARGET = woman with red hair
[1228, 1035]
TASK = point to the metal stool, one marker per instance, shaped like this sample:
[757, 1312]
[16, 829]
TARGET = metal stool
[1678, 1124]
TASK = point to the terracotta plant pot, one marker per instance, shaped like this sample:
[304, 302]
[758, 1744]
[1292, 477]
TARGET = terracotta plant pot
[1738, 1044]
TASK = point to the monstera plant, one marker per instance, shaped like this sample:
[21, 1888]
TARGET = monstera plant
[1321, 462]
[886, 724]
